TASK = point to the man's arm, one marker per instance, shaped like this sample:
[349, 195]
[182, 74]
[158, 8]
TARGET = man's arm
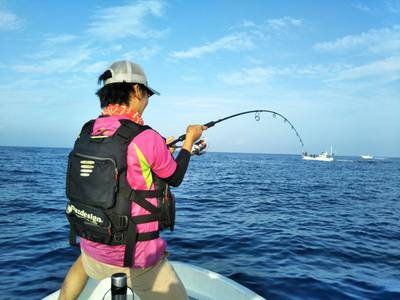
[182, 163]
[193, 133]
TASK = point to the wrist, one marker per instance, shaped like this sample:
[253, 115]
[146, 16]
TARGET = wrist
[188, 144]
[189, 138]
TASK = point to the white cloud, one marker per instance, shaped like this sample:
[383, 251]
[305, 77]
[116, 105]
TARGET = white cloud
[374, 40]
[61, 63]
[259, 74]
[273, 28]
[284, 23]
[233, 42]
[144, 53]
[387, 69]
[117, 47]
[384, 70]
[247, 23]
[128, 20]
[383, 66]
[60, 39]
[361, 7]
[247, 35]
[393, 6]
[8, 21]
[270, 26]
[189, 78]
[247, 76]
[96, 68]
[254, 61]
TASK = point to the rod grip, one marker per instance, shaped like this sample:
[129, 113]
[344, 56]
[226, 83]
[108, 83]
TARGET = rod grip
[179, 139]
[183, 136]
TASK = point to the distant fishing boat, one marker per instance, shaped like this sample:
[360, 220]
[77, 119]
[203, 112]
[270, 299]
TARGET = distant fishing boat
[323, 156]
[200, 284]
[367, 157]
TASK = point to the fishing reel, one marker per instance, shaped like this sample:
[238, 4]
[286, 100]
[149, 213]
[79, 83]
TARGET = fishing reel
[200, 147]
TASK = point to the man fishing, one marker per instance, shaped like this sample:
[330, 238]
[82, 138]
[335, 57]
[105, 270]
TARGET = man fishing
[119, 174]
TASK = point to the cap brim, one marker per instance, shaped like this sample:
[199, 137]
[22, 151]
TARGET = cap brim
[152, 91]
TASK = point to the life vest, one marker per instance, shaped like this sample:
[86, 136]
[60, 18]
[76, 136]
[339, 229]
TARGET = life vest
[100, 197]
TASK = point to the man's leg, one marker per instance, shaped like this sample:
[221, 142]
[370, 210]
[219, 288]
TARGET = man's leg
[159, 282]
[74, 282]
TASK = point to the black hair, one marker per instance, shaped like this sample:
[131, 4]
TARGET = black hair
[115, 93]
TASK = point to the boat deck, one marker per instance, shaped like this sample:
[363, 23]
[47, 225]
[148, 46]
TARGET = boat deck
[201, 284]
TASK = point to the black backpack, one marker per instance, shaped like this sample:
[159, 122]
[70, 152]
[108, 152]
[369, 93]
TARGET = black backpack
[99, 207]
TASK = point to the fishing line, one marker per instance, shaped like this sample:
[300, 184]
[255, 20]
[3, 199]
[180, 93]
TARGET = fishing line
[256, 117]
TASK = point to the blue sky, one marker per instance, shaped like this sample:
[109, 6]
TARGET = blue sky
[331, 67]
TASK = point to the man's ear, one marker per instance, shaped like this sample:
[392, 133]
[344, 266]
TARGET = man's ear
[137, 91]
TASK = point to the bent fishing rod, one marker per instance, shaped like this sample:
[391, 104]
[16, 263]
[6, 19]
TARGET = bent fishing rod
[257, 118]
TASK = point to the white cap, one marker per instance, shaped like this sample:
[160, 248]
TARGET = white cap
[126, 71]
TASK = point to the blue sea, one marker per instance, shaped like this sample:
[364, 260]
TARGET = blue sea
[283, 227]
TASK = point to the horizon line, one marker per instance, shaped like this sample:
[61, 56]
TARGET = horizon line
[259, 153]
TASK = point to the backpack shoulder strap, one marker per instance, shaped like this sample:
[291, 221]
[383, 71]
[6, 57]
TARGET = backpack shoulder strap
[128, 129]
[87, 127]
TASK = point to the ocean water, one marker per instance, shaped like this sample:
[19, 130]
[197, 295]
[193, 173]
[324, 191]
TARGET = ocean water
[283, 227]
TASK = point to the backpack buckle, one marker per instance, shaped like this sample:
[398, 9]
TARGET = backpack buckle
[118, 237]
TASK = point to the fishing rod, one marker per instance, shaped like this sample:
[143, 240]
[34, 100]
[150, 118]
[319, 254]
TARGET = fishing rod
[257, 118]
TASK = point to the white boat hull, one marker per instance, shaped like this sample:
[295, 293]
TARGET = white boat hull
[318, 158]
[367, 157]
[201, 284]
[323, 156]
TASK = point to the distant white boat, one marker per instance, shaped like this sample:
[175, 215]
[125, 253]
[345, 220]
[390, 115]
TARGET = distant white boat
[367, 157]
[323, 156]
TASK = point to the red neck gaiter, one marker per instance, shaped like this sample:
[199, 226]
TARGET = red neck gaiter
[123, 110]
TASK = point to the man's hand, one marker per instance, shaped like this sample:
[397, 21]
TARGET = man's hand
[193, 133]
[170, 140]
